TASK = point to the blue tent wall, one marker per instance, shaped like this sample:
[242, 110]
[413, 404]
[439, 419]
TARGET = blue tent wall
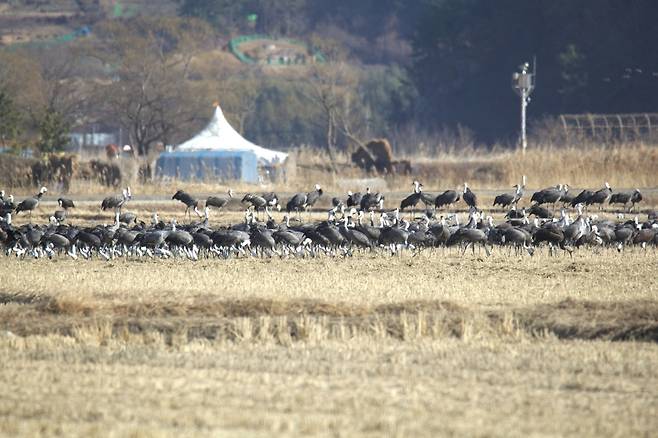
[204, 165]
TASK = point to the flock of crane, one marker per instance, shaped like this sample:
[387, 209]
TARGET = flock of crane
[358, 223]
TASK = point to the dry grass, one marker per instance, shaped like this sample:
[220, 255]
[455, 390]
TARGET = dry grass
[144, 387]
[438, 344]
[500, 280]
[584, 165]
[624, 166]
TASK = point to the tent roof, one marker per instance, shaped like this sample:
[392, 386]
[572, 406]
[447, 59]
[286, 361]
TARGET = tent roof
[220, 135]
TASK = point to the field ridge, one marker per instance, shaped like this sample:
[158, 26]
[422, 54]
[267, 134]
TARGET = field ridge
[306, 319]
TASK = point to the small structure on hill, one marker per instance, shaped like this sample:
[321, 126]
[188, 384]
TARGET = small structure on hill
[266, 50]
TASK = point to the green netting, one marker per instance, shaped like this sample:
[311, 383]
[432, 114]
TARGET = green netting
[234, 47]
[117, 12]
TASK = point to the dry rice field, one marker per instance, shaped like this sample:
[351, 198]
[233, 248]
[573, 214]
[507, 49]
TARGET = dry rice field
[432, 345]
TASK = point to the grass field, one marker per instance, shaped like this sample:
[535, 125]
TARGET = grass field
[437, 344]
[374, 345]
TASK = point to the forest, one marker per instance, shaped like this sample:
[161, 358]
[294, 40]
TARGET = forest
[414, 71]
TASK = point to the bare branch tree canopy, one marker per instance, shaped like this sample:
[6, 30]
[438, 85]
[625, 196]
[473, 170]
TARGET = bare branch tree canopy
[20, 74]
[47, 92]
[419, 66]
[238, 93]
[334, 89]
[149, 92]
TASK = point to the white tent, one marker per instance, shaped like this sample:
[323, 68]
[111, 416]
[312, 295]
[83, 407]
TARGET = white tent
[219, 135]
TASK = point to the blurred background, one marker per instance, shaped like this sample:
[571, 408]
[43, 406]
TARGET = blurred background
[95, 90]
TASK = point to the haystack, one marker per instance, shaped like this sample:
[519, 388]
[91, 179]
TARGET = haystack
[377, 154]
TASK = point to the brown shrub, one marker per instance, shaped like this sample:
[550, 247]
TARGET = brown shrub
[58, 169]
[106, 174]
[16, 172]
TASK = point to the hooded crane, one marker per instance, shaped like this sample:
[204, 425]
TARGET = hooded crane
[337, 204]
[370, 201]
[219, 202]
[297, 203]
[567, 198]
[312, 197]
[65, 203]
[128, 218]
[272, 200]
[116, 202]
[624, 198]
[550, 195]
[471, 234]
[394, 236]
[30, 204]
[448, 197]
[354, 236]
[518, 238]
[469, 197]
[601, 196]
[301, 201]
[582, 198]
[413, 199]
[353, 199]
[507, 199]
[188, 200]
[257, 202]
[553, 236]
[540, 212]
[60, 215]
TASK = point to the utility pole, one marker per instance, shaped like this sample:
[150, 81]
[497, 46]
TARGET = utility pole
[523, 84]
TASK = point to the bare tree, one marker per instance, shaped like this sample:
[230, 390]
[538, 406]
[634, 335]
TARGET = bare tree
[46, 89]
[333, 88]
[149, 92]
[238, 93]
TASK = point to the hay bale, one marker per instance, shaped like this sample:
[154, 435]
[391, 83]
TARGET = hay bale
[17, 172]
[363, 159]
[377, 154]
[381, 151]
